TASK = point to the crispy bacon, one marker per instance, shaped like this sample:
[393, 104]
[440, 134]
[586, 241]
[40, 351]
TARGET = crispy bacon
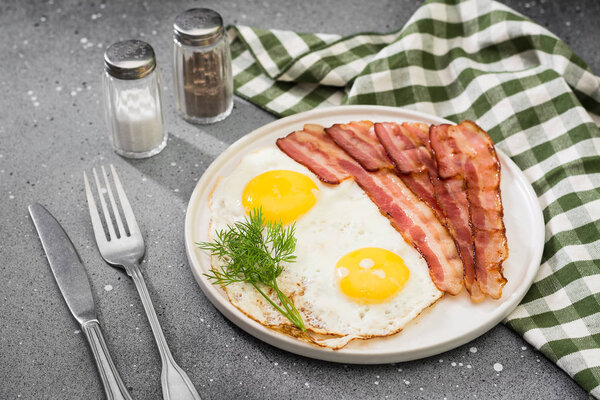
[411, 217]
[408, 147]
[466, 152]
[359, 141]
[308, 148]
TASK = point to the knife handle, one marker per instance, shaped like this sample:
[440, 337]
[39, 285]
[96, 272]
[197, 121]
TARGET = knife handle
[111, 380]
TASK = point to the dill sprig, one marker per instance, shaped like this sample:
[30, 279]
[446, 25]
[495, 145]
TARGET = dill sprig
[253, 251]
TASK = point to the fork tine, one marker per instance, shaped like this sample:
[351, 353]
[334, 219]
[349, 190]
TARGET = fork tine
[96, 221]
[109, 224]
[113, 204]
[127, 211]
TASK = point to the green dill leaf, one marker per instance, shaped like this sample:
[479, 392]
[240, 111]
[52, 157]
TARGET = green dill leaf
[254, 251]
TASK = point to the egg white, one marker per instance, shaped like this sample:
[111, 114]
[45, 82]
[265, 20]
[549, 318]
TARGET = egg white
[342, 220]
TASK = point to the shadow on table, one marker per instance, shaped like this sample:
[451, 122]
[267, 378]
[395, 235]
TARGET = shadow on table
[178, 167]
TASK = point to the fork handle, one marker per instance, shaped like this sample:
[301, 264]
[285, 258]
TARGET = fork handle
[176, 384]
[111, 380]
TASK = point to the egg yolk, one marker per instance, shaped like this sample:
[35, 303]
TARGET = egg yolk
[371, 275]
[283, 195]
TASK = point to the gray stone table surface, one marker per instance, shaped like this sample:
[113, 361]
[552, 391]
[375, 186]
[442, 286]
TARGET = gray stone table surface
[52, 129]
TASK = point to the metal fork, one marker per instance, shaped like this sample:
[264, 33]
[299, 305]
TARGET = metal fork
[124, 247]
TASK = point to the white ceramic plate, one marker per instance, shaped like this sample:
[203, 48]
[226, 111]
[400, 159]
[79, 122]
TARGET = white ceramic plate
[452, 322]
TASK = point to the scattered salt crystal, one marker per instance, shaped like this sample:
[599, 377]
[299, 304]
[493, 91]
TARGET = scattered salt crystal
[473, 349]
[469, 366]
[306, 384]
[498, 367]
[523, 348]
[83, 40]
[11, 197]
[173, 164]
[30, 92]
[453, 364]
[108, 288]
[376, 382]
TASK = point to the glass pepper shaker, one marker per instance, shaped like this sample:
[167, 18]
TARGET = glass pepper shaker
[202, 66]
[132, 100]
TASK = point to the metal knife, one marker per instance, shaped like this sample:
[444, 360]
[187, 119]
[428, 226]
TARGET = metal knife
[74, 285]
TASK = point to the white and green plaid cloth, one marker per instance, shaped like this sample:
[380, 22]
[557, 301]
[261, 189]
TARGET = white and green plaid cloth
[478, 60]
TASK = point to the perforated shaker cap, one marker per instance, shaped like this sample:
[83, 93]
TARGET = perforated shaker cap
[130, 59]
[198, 27]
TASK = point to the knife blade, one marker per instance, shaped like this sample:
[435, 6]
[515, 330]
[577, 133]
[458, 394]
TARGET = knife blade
[74, 284]
[67, 268]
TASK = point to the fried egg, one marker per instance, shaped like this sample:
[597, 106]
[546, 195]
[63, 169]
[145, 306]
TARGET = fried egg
[354, 275]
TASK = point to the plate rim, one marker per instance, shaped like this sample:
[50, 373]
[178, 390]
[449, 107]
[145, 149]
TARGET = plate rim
[344, 356]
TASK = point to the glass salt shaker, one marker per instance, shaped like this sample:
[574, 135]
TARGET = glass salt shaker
[132, 100]
[202, 66]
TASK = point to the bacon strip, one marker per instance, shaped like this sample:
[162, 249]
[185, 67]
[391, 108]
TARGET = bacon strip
[408, 146]
[359, 141]
[308, 148]
[412, 218]
[466, 152]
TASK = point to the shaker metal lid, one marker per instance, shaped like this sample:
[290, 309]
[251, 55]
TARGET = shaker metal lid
[129, 59]
[198, 27]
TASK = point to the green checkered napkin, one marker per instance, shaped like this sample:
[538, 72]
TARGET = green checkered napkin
[482, 61]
